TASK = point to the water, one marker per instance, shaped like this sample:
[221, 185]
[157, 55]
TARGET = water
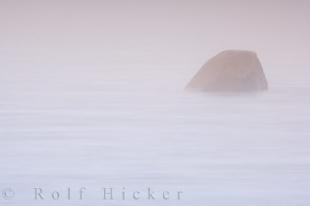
[80, 128]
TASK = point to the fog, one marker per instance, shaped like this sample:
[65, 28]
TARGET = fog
[100, 33]
[92, 95]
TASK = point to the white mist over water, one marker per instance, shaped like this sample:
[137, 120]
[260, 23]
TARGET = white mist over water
[97, 131]
[93, 96]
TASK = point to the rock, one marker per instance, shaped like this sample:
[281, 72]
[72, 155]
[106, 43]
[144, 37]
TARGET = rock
[231, 71]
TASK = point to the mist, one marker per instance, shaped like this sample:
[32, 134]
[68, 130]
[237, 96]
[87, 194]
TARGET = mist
[92, 95]
[108, 37]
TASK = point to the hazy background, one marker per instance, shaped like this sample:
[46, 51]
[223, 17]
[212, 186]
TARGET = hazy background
[105, 35]
[91, 94]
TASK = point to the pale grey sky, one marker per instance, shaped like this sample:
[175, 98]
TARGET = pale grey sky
[278, 30]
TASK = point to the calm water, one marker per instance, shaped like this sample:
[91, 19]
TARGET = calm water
[59, 130]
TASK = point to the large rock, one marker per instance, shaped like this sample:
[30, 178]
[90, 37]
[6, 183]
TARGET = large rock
[231, 71]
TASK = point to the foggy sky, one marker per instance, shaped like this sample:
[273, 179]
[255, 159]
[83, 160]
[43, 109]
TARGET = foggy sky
[278, 30]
